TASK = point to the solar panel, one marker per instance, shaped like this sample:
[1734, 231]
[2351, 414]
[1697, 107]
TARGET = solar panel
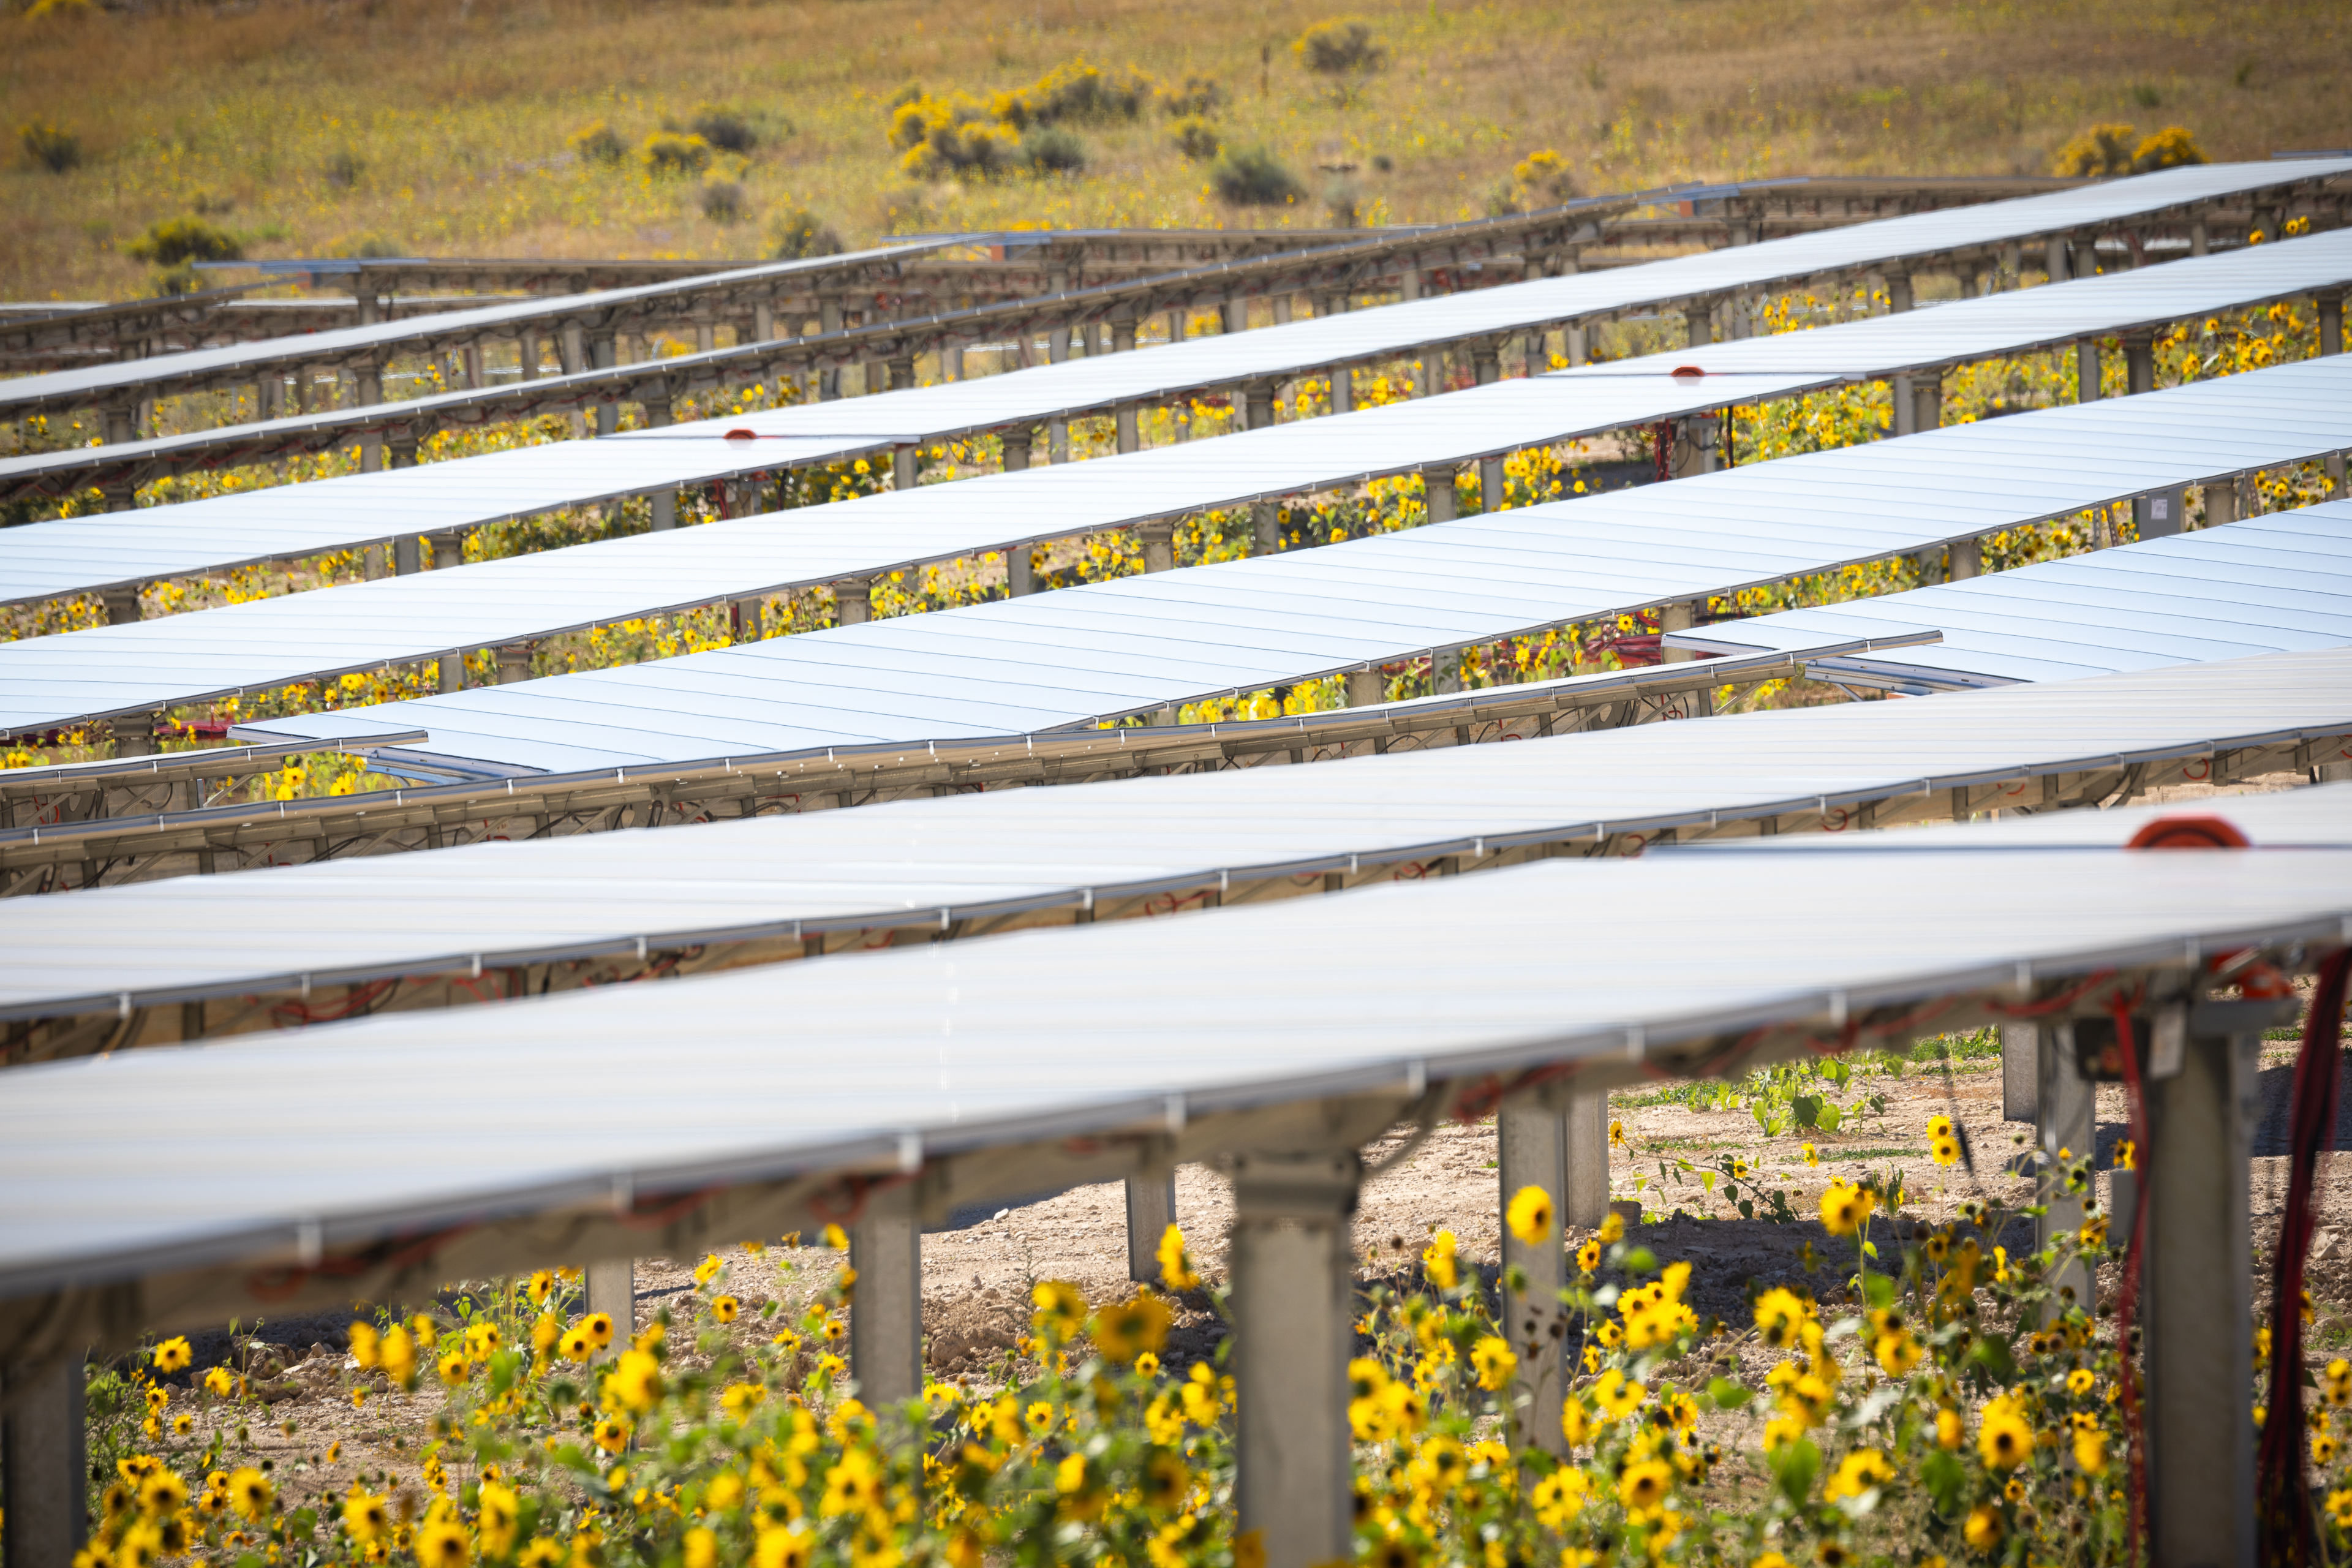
[970, 856]
[1144, 644]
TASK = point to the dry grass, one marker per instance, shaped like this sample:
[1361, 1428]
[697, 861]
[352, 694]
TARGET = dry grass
[439, 126]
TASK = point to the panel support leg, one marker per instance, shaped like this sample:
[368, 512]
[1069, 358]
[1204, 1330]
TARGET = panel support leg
[613, 1290]
[1292, 1294]
[885, 1313]
[1532, 1151]
[43, 1463]
[2066, 1130]
[1585, 1127]
[1151, 1210]
[2199, 1272]
[2021, 1072]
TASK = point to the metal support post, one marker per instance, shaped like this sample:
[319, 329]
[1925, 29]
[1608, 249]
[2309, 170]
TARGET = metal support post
[44, 1464]
[2331, 321]
[902, 372]
[2087, 370]
[1122, 335]
[572, 348]
[2139, 364]
[1057, 342]
[2053, 259]
[1444, 670]
[1257, 405]
[1585, 1127]
[514, 663]
[1531, 1140]
[134, 734]
[1019, 579]
[1437, 493]
[1674, 617]
[453, 670]
[1158, 546]
[604, 351]
[407, 555]
[1898, 293]
[1343, 389]
[1367, 688]
[1151, 1210]
[1289, 1249]
[853, 601]
[1906, 406]
[885, 1309]
[2020, 1073]
[1576, 351]
[1966, 557]
[2199, 1274]
[121, 605]
[1016, 449]
[2221, 502]
[902, 467]
[950, 354]
[2084, 261]
[1234, 317]
[658, 415]
[527, 357]
[1485, 362]
[369, 387]
[1490, 484]
[763, 321]
[1926, 403]
[1130, 439]
[1057, 442]
[2065, 1130]
[1266, 527]
[613, 1290]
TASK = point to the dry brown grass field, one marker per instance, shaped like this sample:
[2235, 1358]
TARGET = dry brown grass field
[441, 126]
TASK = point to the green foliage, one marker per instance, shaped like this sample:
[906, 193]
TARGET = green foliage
[176, 240]
[796, 233]
[342, 169]
[1053, 149]
[724, 128]
[671, 152]
[597, 143]
[2108, 150]
[722, 201]
[1199, 95]
[1195, 138]
[956, 135]
[1075, 90]
[1254, 177]
[52, 147]
[1341, 47]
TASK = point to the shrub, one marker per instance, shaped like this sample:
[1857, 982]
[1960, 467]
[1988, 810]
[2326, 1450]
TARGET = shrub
[669, 153]
[342, 170]
[1195, 138]
[1546, 175]
[2168, 149]
[1075, 90]
[597, 143]
[1254, 177]
[724, 128]
[1199, 95]
[1342, 46]
[52, 147]
[2101, 150]
[1342, 200]
[955, 135]
[723, 202]
[797, 233]
[176, 240]
[1053, 149]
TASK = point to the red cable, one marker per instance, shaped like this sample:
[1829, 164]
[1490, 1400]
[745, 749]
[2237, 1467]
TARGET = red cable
[2127, 1293]
[2281, 1488]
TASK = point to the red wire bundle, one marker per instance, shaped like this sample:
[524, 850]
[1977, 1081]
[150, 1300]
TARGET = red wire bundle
[2282, 1488]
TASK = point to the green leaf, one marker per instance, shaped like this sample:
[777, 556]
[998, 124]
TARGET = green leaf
[1639, 1260]
[1706, 1180]
[1993, 1356]
[1945, 1476]
[1879, 1290]
[1727, 1394]
[1827, 1117]
[1794, 1465]
[1747, 1209]
[1763, 1117]
[1806, 1107]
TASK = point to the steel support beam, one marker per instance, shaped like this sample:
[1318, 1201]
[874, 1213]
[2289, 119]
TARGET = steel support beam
[43, 1464]
[2199, 1278]
[886, 1310]
[613, 1290]
[1151, 1210]
[853, 601]
[2021, 1072]
[1585, 1126]
[2065, 1130]
[1437, 492]
[1531, 1140]
[1158, 546]
[1290, 1252]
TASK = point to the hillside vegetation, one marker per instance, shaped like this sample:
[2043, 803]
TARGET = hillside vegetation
[596, 127]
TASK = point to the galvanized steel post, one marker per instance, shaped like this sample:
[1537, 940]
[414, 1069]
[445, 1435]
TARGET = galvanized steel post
[1234, 318]
[1674, 617]
[1293, 1291]
[901, 371]
[613, 1290]
[902, 467]
[2331, 342]
[43, 1463]
[1531, 1140]
[1130, 439]
[121, 604]
[1158, 546]
[664, 502]
[514, 663]
[1437, 492]
[605, 353]
[1151, 1210]
[1343, 389]
[1257, 405]
[2066, 1130]
[1016, 449]
[2139, 364]
[853, 601]
[2087, 370]
[1585, 1127]
[1367, 688]
[2021, 1072]
[886, 1310]
[2199, 1274]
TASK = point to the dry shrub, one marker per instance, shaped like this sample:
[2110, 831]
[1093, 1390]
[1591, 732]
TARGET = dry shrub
[1199, 95]
[1254, 177]
[1341, 47]
[723, 201]
[178, 240]
[724, 128]
[1075, 90]
[1195, 138]
[597, 143]
[2109, 149]
[342, 169]
[954, 135]
[1053, 149]
[797, 233]
[52, 147]
[1546, 176]
[671, 152]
